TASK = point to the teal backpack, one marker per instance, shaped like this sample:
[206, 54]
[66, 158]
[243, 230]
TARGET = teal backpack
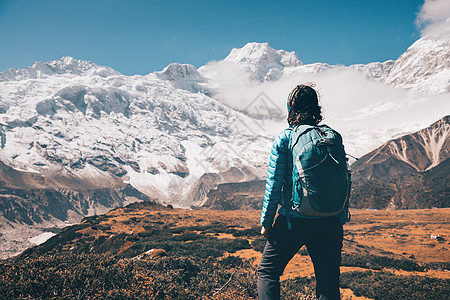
[321, 179]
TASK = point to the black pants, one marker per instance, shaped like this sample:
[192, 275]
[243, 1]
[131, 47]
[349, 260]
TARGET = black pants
[323, 239]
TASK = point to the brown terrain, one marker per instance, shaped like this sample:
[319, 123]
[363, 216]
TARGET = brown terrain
[395, 234]
[409, 244]
[404, 233]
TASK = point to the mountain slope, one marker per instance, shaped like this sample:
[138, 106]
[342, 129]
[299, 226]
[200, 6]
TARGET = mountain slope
[424, 67]
[34, 207]
[237, 196]
[76, 141]
[141, 129]
[408, 172]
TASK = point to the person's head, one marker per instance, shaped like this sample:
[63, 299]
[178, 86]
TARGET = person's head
[303, 106]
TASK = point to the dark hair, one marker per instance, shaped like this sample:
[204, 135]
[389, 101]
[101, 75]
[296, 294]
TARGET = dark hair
[303, 105]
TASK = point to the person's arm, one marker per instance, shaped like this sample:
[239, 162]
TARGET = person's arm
[265, 232]
[275, 177]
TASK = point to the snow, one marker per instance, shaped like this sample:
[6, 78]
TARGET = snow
[424, 67]
[42, 238]
[433, 143]
[262, 60]
[162, 132]
[65, 67]
[429, 141]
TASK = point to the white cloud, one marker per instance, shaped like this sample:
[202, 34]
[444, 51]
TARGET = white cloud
[434, 19]
[366, 112]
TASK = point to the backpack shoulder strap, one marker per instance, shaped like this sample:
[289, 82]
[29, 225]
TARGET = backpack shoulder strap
[287, 207]
[298, 131]
[302, 129]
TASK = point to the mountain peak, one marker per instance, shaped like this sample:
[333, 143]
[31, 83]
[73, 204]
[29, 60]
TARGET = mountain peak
[262, 60]
[64, 66]
[255, 53]
[69, 60]
[182, 76]
[177, 71]
[251, 50]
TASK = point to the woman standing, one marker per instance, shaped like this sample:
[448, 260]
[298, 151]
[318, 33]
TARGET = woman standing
[291, 230]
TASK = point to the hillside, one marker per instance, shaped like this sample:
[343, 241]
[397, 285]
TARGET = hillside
[213, 254]
[236, 196]
[34, 206]
[408, 172]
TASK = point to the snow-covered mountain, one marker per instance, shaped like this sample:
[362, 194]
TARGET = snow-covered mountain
[142, 129]
[174, 135]
[424, 149]
[85, 140]
[424, 67]
[375, 71]
[65, 66]
[183, 76]
[262, 61]
[358, 100]
[162, 132]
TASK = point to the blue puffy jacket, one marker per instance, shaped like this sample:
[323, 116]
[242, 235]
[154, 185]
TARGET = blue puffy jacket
[279, 183]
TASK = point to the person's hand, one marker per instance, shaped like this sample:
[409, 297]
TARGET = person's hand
[265, 232]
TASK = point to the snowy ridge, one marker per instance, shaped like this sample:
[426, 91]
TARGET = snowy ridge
[64, 66]
[433, 143]
[183, 76]
[376, 71]
[264, 62]
[424, 67]
[176, 72]
[406, 172]
[140, 129]
[314, 68]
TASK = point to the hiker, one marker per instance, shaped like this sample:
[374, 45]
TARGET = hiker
[321, 233]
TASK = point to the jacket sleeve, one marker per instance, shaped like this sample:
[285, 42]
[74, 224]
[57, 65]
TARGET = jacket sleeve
[275, 176]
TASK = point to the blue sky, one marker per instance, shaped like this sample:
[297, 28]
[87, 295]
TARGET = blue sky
[139, 37]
